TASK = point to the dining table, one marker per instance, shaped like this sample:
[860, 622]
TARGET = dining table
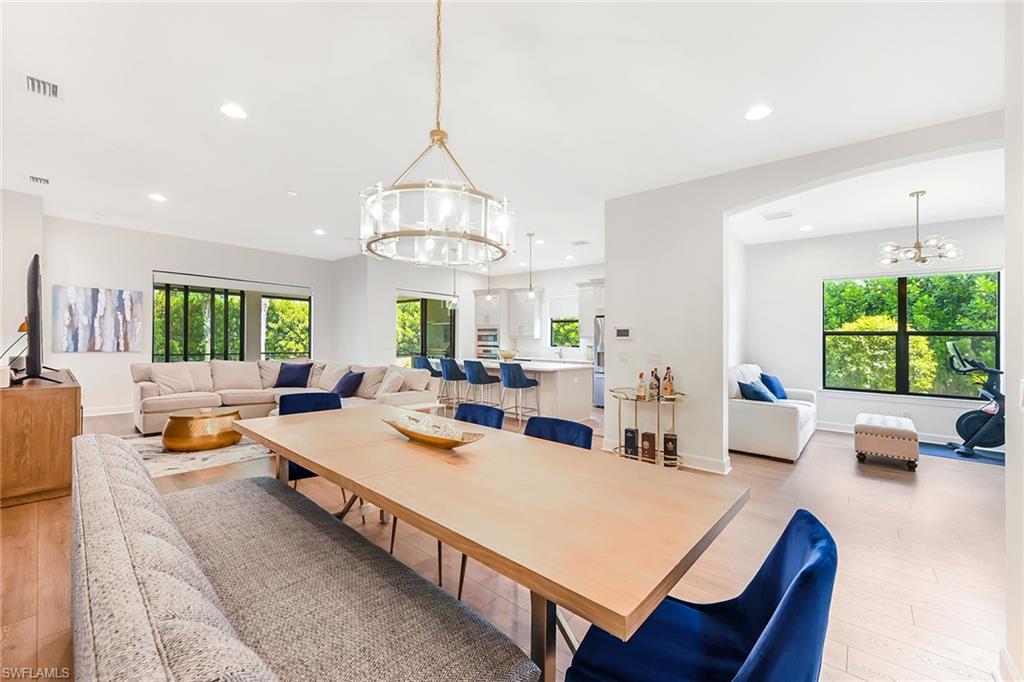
[603, 537]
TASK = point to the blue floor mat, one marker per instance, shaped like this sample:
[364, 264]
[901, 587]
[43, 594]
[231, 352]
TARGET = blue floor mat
[982, 456]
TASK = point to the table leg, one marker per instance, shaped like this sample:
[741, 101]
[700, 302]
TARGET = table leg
[542, 636]
[282, 469]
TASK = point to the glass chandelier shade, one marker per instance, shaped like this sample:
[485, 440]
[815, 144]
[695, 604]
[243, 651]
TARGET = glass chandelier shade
[440, 222]
[922, 251]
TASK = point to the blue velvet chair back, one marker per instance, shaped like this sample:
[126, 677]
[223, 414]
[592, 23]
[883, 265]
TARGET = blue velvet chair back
[450, 370]
[484, 415]
[513, 376]
[421, 362]
[787, 602]
[294, 403]
[476, 374]
[560, 431]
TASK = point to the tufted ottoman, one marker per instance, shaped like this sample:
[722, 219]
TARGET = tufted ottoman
[885, 436]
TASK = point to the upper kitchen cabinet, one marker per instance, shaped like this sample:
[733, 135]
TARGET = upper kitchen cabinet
[598, 284]
[491, 308]
[587, 309]
[524, 313]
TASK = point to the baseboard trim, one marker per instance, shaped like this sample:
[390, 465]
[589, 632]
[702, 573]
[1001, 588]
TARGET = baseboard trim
[924, 437]
[710, 464]
[107, 410]
[1008, 670]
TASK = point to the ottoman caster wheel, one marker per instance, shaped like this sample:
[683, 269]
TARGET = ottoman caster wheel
[911, 465]
[861, 457]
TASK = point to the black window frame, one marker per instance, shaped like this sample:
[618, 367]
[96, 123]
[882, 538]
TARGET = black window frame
[903, 335]
[551, 330]
[165, 353]
[309, 327]
[422, 351]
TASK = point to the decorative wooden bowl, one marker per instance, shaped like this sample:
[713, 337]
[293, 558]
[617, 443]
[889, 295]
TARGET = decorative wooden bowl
[434, 441]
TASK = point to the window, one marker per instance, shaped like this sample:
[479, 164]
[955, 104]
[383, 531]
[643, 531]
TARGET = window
[423, 326]
[286, 328]
[197, 323]
[565, 331]
[889, 334]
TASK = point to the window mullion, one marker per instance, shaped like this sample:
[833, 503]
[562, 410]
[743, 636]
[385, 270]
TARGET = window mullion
[902, 339]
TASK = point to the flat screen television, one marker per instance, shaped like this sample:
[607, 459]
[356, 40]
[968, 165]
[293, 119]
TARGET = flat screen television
[34, 308]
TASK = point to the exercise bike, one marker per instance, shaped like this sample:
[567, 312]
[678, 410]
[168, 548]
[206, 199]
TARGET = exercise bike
[984, 427]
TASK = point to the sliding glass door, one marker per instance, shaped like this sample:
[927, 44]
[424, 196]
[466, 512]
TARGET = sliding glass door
[423, 326]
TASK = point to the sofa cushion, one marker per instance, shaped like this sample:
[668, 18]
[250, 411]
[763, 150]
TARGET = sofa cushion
[774, 384]
[329, 375]
[293, 375]
[755, 390]
[235, 374]
[392, 383]
[246, 396]
[142, 606]
[172, 377]
[372, 378]
[278, 392]
[313, 597]
[808, 411]
[140, 371]
[355, 401]
[180, 401]
[414, 379]
[741, 373]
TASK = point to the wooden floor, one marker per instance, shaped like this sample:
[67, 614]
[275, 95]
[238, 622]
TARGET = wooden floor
[919, 595]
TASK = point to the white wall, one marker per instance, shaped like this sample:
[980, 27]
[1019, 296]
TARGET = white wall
[1013, 658]
[737, 274]
[783, 313]
[559, 283]
[88, 254]
[667, 268]
[21, 237]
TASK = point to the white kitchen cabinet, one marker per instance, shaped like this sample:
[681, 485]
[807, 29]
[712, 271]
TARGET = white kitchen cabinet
[524, 313]
[490, 307]
[587, 309]
[598, 295]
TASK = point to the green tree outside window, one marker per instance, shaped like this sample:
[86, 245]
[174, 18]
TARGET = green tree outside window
[565, 331]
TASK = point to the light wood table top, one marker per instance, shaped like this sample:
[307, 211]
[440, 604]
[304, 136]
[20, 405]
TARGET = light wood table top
[605, 537]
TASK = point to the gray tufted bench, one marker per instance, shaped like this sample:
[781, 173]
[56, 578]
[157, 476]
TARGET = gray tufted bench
[250, 581]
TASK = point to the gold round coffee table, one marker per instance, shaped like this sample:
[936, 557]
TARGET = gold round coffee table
[203, 428]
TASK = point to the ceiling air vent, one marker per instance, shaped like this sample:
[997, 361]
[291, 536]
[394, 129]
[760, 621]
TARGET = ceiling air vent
[777, 215]
[41, 87]
[37, 180]
[582, 242]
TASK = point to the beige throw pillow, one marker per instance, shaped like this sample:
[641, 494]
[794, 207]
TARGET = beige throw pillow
[172, 377]
[235, 374]
[392, 383]
[372, 378]
[269, 369]
[330, 375]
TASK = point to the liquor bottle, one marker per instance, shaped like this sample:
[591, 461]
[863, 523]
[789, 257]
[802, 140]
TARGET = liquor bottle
[668, 383]
[648, 445]
[670, 455]
[654, 388]
[641, 388]
[630, 444]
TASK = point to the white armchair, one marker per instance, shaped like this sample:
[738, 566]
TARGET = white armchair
[779, 429]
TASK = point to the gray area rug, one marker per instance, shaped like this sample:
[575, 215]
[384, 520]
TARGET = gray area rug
[161, 462]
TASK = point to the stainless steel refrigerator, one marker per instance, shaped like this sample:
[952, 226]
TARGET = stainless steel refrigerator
[599, 361]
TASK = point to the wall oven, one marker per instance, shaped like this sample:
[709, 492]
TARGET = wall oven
[487, 343]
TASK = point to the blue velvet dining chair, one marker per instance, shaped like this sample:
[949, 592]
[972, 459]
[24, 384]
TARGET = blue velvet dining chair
[513, 378]
[476, 375]
[560, 431]
[774, 631]
[295, 403]
[451, 376]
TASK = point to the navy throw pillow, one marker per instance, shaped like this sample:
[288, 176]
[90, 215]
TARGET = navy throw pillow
[348, 384]
[755, 390]
[774, 385]
[293, 375]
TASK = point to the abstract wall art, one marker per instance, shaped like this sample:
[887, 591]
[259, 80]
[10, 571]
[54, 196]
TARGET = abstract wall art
[89, 319]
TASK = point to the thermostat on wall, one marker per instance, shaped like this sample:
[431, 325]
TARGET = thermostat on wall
[624, 333]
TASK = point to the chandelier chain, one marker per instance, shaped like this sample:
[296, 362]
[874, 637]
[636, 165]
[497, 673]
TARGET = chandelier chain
[437, 69]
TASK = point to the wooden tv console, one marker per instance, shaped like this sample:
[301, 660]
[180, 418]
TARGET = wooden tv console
[38, 419]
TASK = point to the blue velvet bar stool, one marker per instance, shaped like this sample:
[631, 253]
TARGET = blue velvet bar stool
[560, 431]
[452, 376]
[513, 378]
[477, 376]
[295, 403]
[774, 631]
[422, 362]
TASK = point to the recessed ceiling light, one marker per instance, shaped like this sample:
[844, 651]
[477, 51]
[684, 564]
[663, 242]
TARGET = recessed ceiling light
[233, 110]
[538, 242]
[292, 193]
[522, 264]
[806, 228]
[569, 257]
[758, 111]
[319, 232]
[155, 196]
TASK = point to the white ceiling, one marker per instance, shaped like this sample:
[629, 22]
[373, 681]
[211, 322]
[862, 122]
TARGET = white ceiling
[556, 105]
[958, 187]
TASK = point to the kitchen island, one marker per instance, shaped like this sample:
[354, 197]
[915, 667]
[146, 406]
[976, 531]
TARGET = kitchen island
[565, 389]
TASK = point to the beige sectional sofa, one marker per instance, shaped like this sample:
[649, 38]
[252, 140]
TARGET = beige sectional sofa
[162, 388]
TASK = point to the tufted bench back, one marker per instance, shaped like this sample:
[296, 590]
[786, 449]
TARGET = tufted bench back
[142, 608]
